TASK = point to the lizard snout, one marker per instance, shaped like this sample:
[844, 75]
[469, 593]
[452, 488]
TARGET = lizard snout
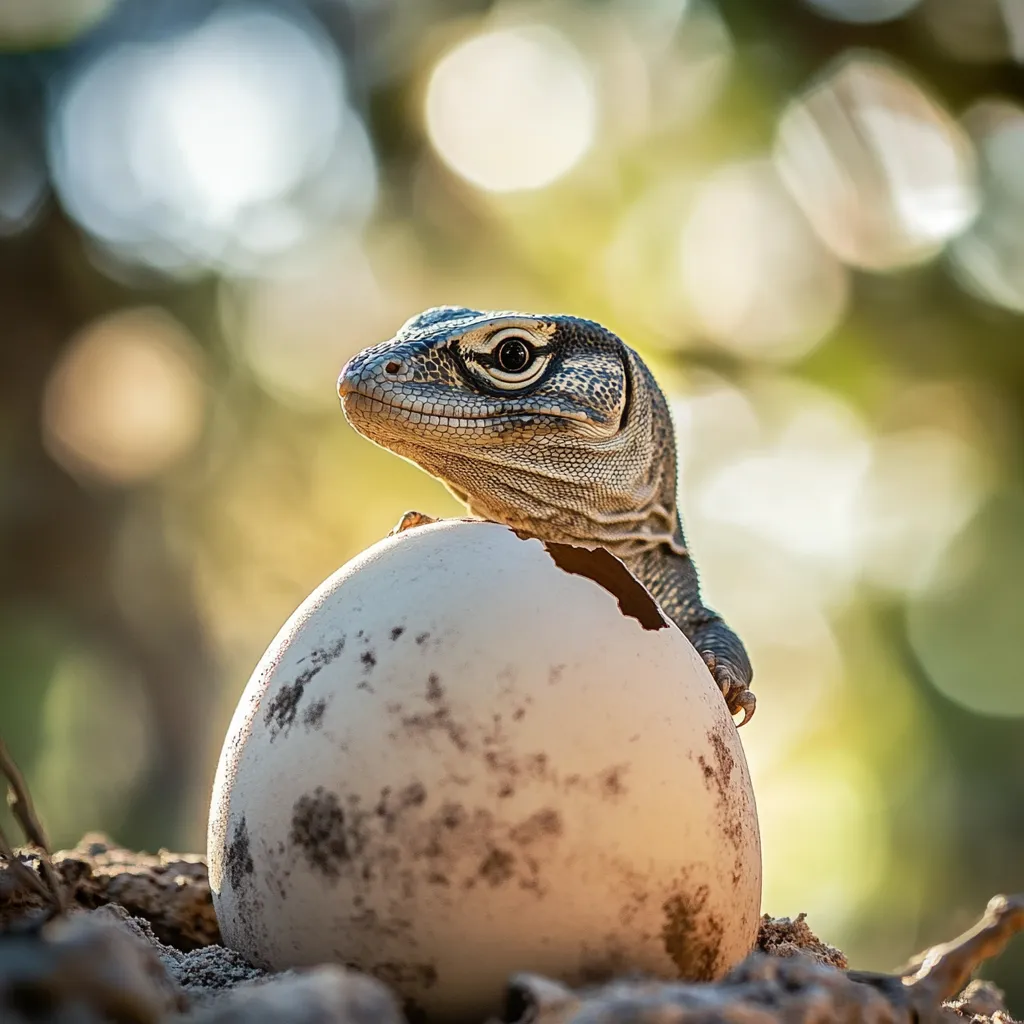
[354, 376]
[360, 371]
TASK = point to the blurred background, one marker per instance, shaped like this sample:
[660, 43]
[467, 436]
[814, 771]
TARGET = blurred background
[809, 218]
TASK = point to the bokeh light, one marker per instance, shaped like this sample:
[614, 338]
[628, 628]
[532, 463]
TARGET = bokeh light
[966, 628]
[831, 869]
[665, 65]
[31, 23]
[23, 182]
[797, 488]
[512, 109]
[720, 425]
[862, 12]
[80, 731]
[924, 484]
[126, 400]
[756, 276]
[217, 146]
[296, 328]
[884, 173]
[989, 258]
[640, 266]
[978, 32]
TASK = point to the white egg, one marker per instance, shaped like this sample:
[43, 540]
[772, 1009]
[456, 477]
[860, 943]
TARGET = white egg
[469, 754]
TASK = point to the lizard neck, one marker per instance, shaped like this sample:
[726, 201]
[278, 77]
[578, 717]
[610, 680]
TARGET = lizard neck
[646, 526]
[625, 500]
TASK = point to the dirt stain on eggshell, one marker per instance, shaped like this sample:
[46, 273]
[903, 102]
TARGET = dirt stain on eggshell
[238, 861]
[493, 745]
[726, 762]
[404, 976]
[399, 844]
[240, 871]
[498, 867]
[612, 781]
[602, 964]
[321, 830]
[282, 709]
[731, 801]
[546, 822]
[391, 806]
[312, 717]
[438, 720]
[691, 936]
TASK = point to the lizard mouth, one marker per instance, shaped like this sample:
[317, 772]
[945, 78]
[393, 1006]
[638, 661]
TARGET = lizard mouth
[354, 401]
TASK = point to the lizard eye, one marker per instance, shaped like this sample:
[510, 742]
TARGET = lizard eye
[515, 360]
[513, 355]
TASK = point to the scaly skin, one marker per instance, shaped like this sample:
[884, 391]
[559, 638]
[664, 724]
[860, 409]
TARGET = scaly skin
[554, 426]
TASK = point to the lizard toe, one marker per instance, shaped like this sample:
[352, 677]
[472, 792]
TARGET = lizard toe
[409, 521]
[737, 695]
[721, 675]
[746, 702]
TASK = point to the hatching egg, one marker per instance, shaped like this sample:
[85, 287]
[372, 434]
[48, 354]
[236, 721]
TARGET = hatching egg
[469, 754]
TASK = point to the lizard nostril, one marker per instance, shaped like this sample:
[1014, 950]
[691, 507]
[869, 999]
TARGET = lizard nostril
[393, 367]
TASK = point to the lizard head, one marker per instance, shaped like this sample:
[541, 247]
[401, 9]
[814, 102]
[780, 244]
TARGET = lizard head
[530, 419]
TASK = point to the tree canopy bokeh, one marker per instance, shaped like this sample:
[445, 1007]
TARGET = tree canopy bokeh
[809, 218]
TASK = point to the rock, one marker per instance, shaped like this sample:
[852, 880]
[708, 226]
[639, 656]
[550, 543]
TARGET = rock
[85, 968]
[324, 995]
[761, 990]
[981, 999]
[170, 890]
[764, 989]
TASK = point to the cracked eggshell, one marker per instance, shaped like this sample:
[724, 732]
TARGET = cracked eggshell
[469, 754]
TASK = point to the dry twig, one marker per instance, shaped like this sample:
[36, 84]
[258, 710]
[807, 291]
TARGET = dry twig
[20, 801]
[942, 971]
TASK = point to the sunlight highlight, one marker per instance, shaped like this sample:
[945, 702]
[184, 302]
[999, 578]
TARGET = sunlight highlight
[81, 728]
[824, 842]
[757, 278]
[884, 174]
[798, 490]
[215, 146]
[296, 328]
[512, 109]
[126, 399]
[989, 259]
[37, 23]
[966, 624]
[863, 12]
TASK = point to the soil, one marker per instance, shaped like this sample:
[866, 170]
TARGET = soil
[138, 942]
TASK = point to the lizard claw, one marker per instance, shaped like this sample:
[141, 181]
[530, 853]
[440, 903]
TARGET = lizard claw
[409, 521]
[737, 694]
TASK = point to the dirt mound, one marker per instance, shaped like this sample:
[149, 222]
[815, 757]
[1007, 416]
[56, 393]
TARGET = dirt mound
[132, 937]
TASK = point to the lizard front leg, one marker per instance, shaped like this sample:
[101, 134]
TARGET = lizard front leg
[409, 521]
[672, 581]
